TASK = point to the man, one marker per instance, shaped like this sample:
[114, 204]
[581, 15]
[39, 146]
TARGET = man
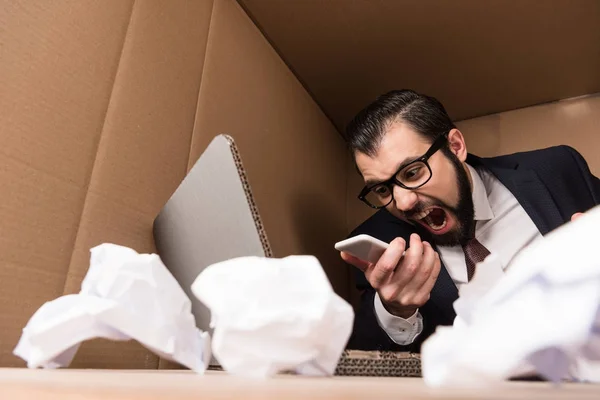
[447, 210]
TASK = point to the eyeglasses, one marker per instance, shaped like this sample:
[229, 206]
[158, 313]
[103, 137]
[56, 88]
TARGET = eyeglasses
[410, 176]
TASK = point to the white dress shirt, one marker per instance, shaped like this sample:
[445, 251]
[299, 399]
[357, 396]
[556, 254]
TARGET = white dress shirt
[502, 226]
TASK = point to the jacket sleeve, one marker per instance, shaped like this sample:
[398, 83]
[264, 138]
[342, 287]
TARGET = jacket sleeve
[367, 334]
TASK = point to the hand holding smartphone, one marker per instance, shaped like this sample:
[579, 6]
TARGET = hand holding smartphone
[404, 279]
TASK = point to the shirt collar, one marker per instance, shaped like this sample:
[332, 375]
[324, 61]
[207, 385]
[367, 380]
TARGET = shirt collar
[483, 210]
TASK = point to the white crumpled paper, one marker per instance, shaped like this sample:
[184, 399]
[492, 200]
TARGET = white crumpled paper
[125, 295]
[273, 315]
[542, 317]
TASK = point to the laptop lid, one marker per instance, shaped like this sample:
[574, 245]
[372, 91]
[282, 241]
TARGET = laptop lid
[211, 217]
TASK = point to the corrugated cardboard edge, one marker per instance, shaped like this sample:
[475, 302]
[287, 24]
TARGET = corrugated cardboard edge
[379, 363]
[249, 197]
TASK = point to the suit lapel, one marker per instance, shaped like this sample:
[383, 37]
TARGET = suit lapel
[532, 194]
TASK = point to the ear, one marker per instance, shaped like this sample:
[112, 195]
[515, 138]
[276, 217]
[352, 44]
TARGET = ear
[457, 144]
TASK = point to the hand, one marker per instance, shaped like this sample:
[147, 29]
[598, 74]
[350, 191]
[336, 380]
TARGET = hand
[403, 283]
[575, 216]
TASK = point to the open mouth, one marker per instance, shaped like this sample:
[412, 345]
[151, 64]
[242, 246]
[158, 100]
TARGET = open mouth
[434, 218]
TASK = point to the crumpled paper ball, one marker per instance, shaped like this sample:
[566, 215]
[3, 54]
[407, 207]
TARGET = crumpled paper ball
[124, 296]
[273, 315]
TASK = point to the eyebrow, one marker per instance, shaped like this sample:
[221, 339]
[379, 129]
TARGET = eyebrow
[402, 164]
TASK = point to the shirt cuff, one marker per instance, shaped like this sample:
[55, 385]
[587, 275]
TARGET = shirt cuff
[401, 331]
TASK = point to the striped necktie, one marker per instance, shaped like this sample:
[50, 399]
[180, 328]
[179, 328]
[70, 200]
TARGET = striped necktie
[475, 253]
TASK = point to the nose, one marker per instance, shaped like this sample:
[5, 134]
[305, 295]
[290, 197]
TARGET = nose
[404, 199]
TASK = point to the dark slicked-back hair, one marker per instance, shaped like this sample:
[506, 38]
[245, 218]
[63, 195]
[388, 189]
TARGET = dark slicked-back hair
[425, 114]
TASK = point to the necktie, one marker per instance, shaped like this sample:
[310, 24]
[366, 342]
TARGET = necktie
[475, 253]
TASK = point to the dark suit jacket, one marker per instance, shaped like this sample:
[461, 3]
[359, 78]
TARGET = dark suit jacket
[550, 184]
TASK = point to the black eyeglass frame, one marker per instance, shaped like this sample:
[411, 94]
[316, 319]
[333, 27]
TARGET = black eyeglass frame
[435, 146]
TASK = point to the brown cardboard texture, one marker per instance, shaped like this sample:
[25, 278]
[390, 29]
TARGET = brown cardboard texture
[477, 57]
[56, 76]
[102, 112]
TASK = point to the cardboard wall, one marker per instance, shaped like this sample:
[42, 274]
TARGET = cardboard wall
[477, 57]
[56, 76]
[106, 104]
[142, 153]
[574, 122]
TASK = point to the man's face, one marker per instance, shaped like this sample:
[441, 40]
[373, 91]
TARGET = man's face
[444, 205]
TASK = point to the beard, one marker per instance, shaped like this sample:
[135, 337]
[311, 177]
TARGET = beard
[463, 212]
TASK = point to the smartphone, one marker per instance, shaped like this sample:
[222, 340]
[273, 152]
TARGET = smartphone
[363, 246]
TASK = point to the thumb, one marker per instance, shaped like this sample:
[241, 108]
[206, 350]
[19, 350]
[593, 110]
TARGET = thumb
[576, 216]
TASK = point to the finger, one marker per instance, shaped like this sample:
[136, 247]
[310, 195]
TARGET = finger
[576, 216]
[411, 261]
[383, 270]
[416, 245]
[357, 262]
[424, 269]
[425, 290]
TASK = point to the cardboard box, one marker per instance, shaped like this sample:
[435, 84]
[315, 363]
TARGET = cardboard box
[105, 105]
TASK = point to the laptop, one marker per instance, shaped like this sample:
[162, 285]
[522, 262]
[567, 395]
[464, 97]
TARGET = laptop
[211, 217]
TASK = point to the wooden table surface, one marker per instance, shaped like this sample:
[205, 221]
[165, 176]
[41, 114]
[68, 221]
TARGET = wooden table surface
[69, 384]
